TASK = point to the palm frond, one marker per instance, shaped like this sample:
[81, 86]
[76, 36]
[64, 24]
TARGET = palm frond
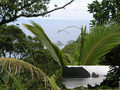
[82, 40]
[75, 50]
[64, 30]
[40, 34]
[98, 43]
[15, 66]
[91, 46]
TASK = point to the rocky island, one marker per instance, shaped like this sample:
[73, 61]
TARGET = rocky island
[94, 75]
[75, 72]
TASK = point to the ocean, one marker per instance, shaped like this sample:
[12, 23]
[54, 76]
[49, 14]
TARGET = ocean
[101, 70]
[76, 82]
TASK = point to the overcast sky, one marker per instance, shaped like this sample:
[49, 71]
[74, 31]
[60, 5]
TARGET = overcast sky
[76, 11]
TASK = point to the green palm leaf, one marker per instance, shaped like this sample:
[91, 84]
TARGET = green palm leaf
[40, 34]
[98, 43]
[15, 66]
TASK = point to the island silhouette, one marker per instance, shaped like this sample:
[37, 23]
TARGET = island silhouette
[77, 72]
[94, 75]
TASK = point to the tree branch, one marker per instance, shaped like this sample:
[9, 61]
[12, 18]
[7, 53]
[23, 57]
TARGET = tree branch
[34, 15]
[9, 20]
[44, 13]
[59, 7]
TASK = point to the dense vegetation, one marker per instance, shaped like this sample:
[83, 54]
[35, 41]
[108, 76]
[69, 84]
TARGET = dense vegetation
[110, 58]
[15, 44]
[109, 15]
[38, 63]
[105, 11]
[37, 55]
[94, 41]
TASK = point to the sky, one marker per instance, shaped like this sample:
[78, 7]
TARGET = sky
[76, 11]
[74, 14]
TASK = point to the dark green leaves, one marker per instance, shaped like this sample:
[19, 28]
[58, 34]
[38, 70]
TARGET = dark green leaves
[104, 11]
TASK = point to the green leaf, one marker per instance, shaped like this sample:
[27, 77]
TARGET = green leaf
[99, 42]
[15, 66]
[40, 34]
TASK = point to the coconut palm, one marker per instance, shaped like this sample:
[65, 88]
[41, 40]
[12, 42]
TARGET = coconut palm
[52, 48]
[15, 67]
[98, 42]
[91, 46]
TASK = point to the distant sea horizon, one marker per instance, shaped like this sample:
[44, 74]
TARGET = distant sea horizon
[76, 82]
[101, 70]
[51, 28]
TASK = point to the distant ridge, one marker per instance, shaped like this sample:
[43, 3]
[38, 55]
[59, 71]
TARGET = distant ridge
[75, 72]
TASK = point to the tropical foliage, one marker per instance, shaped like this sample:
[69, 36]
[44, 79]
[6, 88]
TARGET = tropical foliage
[109, 15]
[104, 11]
[10, 10]
[97, 43]
[40, 34]
[38, 62]
[16, 68]
[15, 44]
[90, 47]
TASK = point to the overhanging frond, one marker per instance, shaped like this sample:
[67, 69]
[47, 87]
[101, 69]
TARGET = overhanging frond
[15, 66]
[98, 43]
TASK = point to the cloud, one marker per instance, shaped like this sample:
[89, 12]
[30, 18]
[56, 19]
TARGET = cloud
[77, 10]
[101, 70]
